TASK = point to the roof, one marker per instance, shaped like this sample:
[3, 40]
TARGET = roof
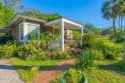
[4, 30]
[66, 20]
[18, 16]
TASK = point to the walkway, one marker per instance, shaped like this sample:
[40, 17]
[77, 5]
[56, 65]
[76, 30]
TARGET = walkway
[8, 74]
[53, 72]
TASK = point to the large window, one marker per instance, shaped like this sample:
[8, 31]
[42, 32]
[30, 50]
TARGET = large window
[21, 32]
[33, 32]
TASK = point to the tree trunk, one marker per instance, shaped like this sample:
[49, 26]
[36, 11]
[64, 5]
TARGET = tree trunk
[123, 57]
[121, 26]
[114, 29]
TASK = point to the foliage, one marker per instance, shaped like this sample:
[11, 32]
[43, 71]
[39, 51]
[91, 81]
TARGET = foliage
[44, 39]
[76, 35]
[60, 55]
[32, 57]
[103, 44]
[7, 51]
[119, 38]
[24, 67]
[86, 60]
[88, 40]
[5, 38]
[5, 15]
[73, 76]
[92, 29]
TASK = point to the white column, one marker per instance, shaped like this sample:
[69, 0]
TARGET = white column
[25, 33]
[81, 35]
[62, 35]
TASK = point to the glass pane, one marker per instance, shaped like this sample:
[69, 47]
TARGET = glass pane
[33, 32]
[21, 31]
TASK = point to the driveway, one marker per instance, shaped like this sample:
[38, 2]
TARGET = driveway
[8, 73]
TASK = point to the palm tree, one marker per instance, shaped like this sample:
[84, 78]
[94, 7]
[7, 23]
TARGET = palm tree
[121, 9]
[110, 10]
[122, 14]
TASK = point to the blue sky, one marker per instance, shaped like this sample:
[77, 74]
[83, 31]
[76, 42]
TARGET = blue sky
[79, 10]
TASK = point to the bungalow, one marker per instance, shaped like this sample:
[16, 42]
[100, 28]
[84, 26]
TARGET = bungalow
[21, 27]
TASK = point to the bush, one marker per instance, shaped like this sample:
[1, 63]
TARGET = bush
[73, 76]
[109, 49]
[42, 55]
[86, 59]
[4, 39]
[88, 39]
[32, 57]
[8, 50]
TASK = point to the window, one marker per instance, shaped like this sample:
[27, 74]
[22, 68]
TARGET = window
[21, 30]
[69, 34]
[33, 32]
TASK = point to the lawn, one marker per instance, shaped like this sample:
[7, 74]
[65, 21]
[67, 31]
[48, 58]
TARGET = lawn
[24, 67]
[107, 71]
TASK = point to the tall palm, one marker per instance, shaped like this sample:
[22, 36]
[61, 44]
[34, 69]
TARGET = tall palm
[121, 4]
[110, 10]
[122, 14]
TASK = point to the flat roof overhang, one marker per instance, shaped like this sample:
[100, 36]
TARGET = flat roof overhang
[18, 16]
[69, 24]
[4, 30]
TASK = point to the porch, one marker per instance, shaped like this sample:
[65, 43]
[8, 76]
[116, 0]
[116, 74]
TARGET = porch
[62, 32]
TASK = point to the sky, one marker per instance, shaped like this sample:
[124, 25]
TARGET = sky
[78, 10]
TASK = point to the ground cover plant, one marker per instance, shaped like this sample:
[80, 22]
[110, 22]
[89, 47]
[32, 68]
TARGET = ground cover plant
[27, 69]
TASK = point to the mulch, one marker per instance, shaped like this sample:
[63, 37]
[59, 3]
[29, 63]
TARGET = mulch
[53, 72]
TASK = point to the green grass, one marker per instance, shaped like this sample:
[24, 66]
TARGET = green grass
[108, 71]
[24, 67]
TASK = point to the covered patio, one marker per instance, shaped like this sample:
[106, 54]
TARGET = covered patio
[63, 26]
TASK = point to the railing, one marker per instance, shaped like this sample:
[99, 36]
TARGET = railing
[56, 44]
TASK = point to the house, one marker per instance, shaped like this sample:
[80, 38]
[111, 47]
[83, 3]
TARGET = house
[22, 27]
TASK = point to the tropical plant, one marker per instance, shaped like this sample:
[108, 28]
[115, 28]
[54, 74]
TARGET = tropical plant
[44, 39]
[88, 40]
[110, 9]
[76, 35]
[86, 60]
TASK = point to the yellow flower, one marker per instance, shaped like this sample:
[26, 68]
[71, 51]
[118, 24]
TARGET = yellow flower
[34, 68]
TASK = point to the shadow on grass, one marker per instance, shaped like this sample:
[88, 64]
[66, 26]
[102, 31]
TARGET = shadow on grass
[117, 67]
[47, 68]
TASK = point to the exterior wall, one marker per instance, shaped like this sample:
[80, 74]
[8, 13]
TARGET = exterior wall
[15, 33]
[15, 29]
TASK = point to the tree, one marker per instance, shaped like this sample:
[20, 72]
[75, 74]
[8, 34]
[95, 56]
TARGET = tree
[121, 9]
[15, 4]
[5, 15]
[91, 28]
[110, 10]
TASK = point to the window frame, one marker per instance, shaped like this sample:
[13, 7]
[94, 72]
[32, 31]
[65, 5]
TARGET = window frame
[34, 24]
[21, 24]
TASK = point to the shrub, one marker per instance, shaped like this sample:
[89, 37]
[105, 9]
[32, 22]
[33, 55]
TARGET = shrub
[20, 51]
[109, 49]
[8, 50]
[4, 39]
[73, 76]
[53, 55]
[42, 55]
[62, 55]
[88, 40]
[76, 35]
[32, 57]
[30, 48]
[86, 59]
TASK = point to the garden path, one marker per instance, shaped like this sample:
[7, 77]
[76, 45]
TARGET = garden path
[53, 72]
[8, 73]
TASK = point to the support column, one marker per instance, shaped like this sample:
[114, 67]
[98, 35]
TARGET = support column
[62, 35]
[81, 35]
[25, 33]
